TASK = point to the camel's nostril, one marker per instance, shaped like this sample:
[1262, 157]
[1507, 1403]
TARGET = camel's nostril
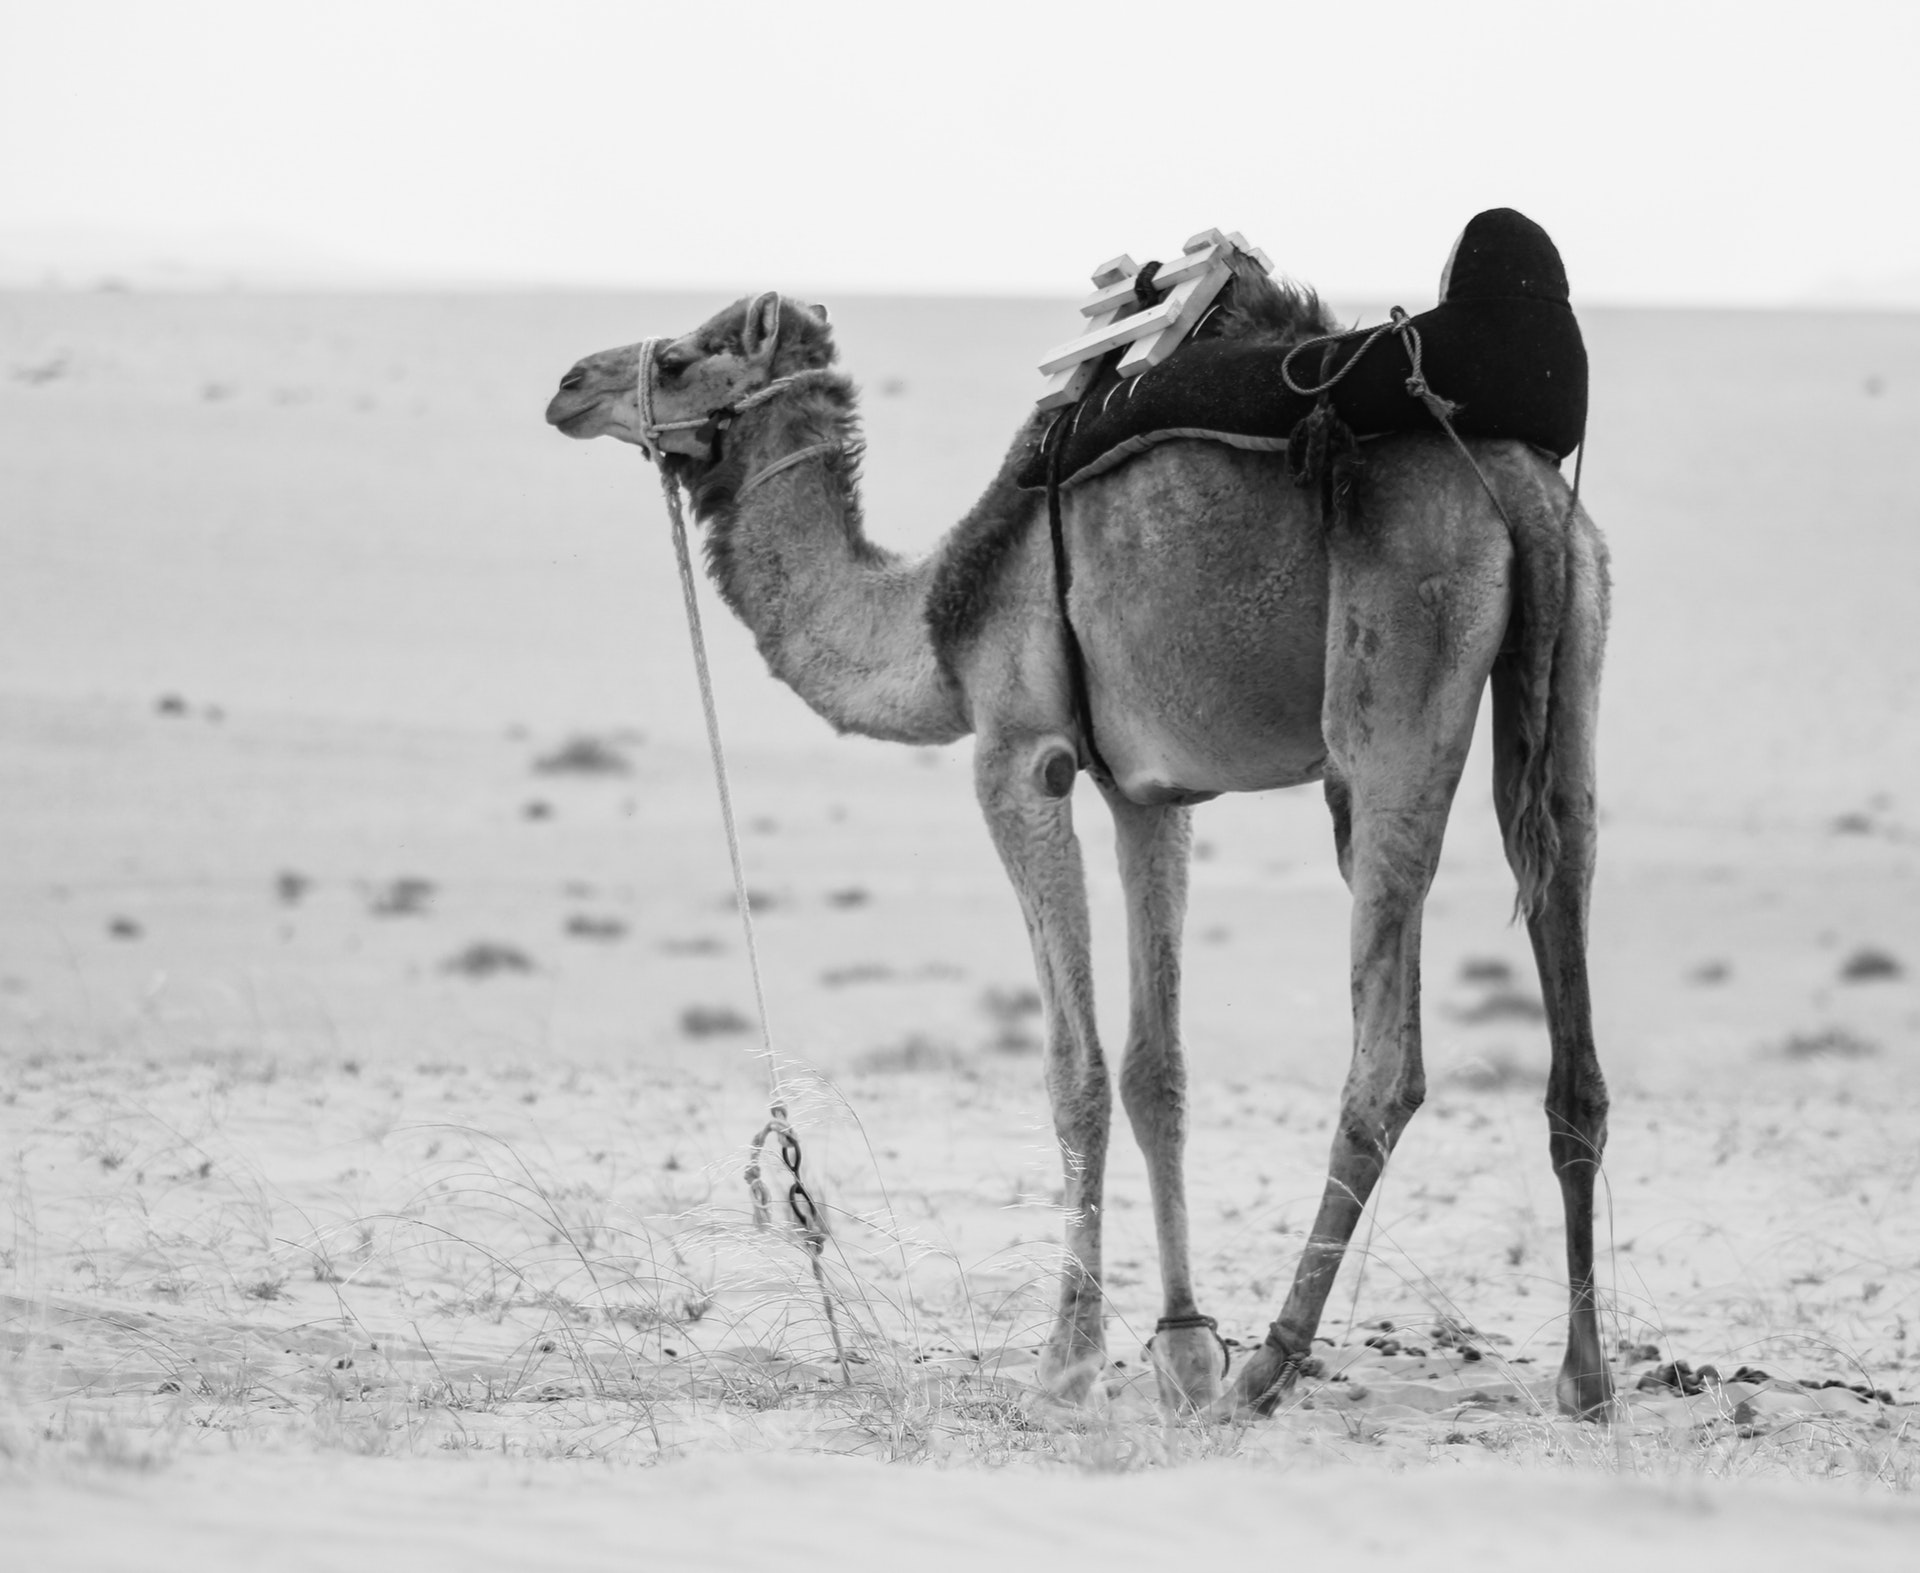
[573, 379]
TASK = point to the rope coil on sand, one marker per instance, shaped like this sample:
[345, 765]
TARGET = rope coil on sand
[800, 1203]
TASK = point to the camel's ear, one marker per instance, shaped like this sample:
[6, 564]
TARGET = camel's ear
[820, 315]
[761, 331]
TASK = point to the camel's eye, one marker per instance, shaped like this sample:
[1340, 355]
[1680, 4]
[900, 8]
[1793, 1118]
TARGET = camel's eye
[674, 360]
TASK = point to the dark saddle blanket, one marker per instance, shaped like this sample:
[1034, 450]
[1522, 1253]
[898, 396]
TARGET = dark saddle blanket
[1502, 347]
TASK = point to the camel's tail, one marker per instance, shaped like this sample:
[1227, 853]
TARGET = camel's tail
[1546, 680]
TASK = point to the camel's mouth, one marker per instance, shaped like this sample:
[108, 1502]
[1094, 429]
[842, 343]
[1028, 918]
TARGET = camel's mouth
[571, 417]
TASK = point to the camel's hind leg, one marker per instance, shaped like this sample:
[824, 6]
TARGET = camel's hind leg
[1415, 618]
[1032, 829]
[1576, 1090]
[1153, 848]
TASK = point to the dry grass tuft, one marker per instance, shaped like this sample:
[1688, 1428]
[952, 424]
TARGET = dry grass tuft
[405, 897]
[713, 1021]
[463, 1286]
[1501, 1005]
[1499, 1070]
[1870, 964]
[914, 1054]
[486, 958]
[1828, 1043]
[583, 755]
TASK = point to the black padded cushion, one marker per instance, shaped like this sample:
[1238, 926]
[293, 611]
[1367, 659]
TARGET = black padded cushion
[1503, 345]
[1503, 254]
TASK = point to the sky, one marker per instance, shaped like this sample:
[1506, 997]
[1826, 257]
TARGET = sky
[1687, 152]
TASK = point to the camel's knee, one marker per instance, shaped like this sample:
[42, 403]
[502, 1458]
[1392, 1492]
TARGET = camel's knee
[1026, 768]
[1371, 1125]
[1576, 1105]
[1410, 1094]
[1153, 1086]
[1081, 1095]
[1393, 852]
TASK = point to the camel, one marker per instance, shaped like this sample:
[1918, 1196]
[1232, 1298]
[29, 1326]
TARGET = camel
[1236, 637]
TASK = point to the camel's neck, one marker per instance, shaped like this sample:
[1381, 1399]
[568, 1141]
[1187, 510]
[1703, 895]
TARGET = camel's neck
[838, 620]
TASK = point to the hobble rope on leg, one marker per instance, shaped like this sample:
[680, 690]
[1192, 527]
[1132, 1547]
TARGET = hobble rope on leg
[1178, 1324]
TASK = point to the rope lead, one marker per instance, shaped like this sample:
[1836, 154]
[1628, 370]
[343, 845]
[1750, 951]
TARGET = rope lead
[800, 1203]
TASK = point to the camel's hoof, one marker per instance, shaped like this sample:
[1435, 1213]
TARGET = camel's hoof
[1263, 1380]
[1069, 1378]
[1585, 1395]
[1188, 1363]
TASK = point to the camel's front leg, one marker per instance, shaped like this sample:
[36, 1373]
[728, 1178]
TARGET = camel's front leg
[1153, 848]
[1028, 811]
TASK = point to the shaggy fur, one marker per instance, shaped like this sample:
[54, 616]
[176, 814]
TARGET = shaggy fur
[806, 339]
[1264, 310]
[967, 574]
[823, 413]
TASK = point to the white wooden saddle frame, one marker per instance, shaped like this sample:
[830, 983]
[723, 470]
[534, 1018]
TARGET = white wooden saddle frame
[1117, 317]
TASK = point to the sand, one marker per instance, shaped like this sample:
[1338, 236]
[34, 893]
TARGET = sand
[340, 1021]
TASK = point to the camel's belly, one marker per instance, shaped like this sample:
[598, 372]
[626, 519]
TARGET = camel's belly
[1162, 770]
[1250, 740]
[1200, 599]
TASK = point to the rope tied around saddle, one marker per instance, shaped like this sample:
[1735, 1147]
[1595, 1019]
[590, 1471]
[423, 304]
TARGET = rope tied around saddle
[1323, 450]
[805, 1212]
[1074, 657]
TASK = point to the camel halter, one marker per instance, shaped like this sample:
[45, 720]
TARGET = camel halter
[805, 1212]
[718, 420]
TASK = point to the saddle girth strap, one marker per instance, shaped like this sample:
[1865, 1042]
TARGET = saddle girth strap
[1075, 657]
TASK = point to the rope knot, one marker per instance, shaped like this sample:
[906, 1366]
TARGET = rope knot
[1441, 409]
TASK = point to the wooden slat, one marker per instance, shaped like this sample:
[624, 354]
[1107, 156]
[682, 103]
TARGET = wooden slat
[1169, 274]
[1112, 336]
[1239, 243]
[1112, 298]
[1065, 387]
[1148, 336]
[1192, 299]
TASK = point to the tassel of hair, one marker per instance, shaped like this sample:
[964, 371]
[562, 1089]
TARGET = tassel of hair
[1322, 451]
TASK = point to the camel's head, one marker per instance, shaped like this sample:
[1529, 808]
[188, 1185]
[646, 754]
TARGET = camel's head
[697, 376]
